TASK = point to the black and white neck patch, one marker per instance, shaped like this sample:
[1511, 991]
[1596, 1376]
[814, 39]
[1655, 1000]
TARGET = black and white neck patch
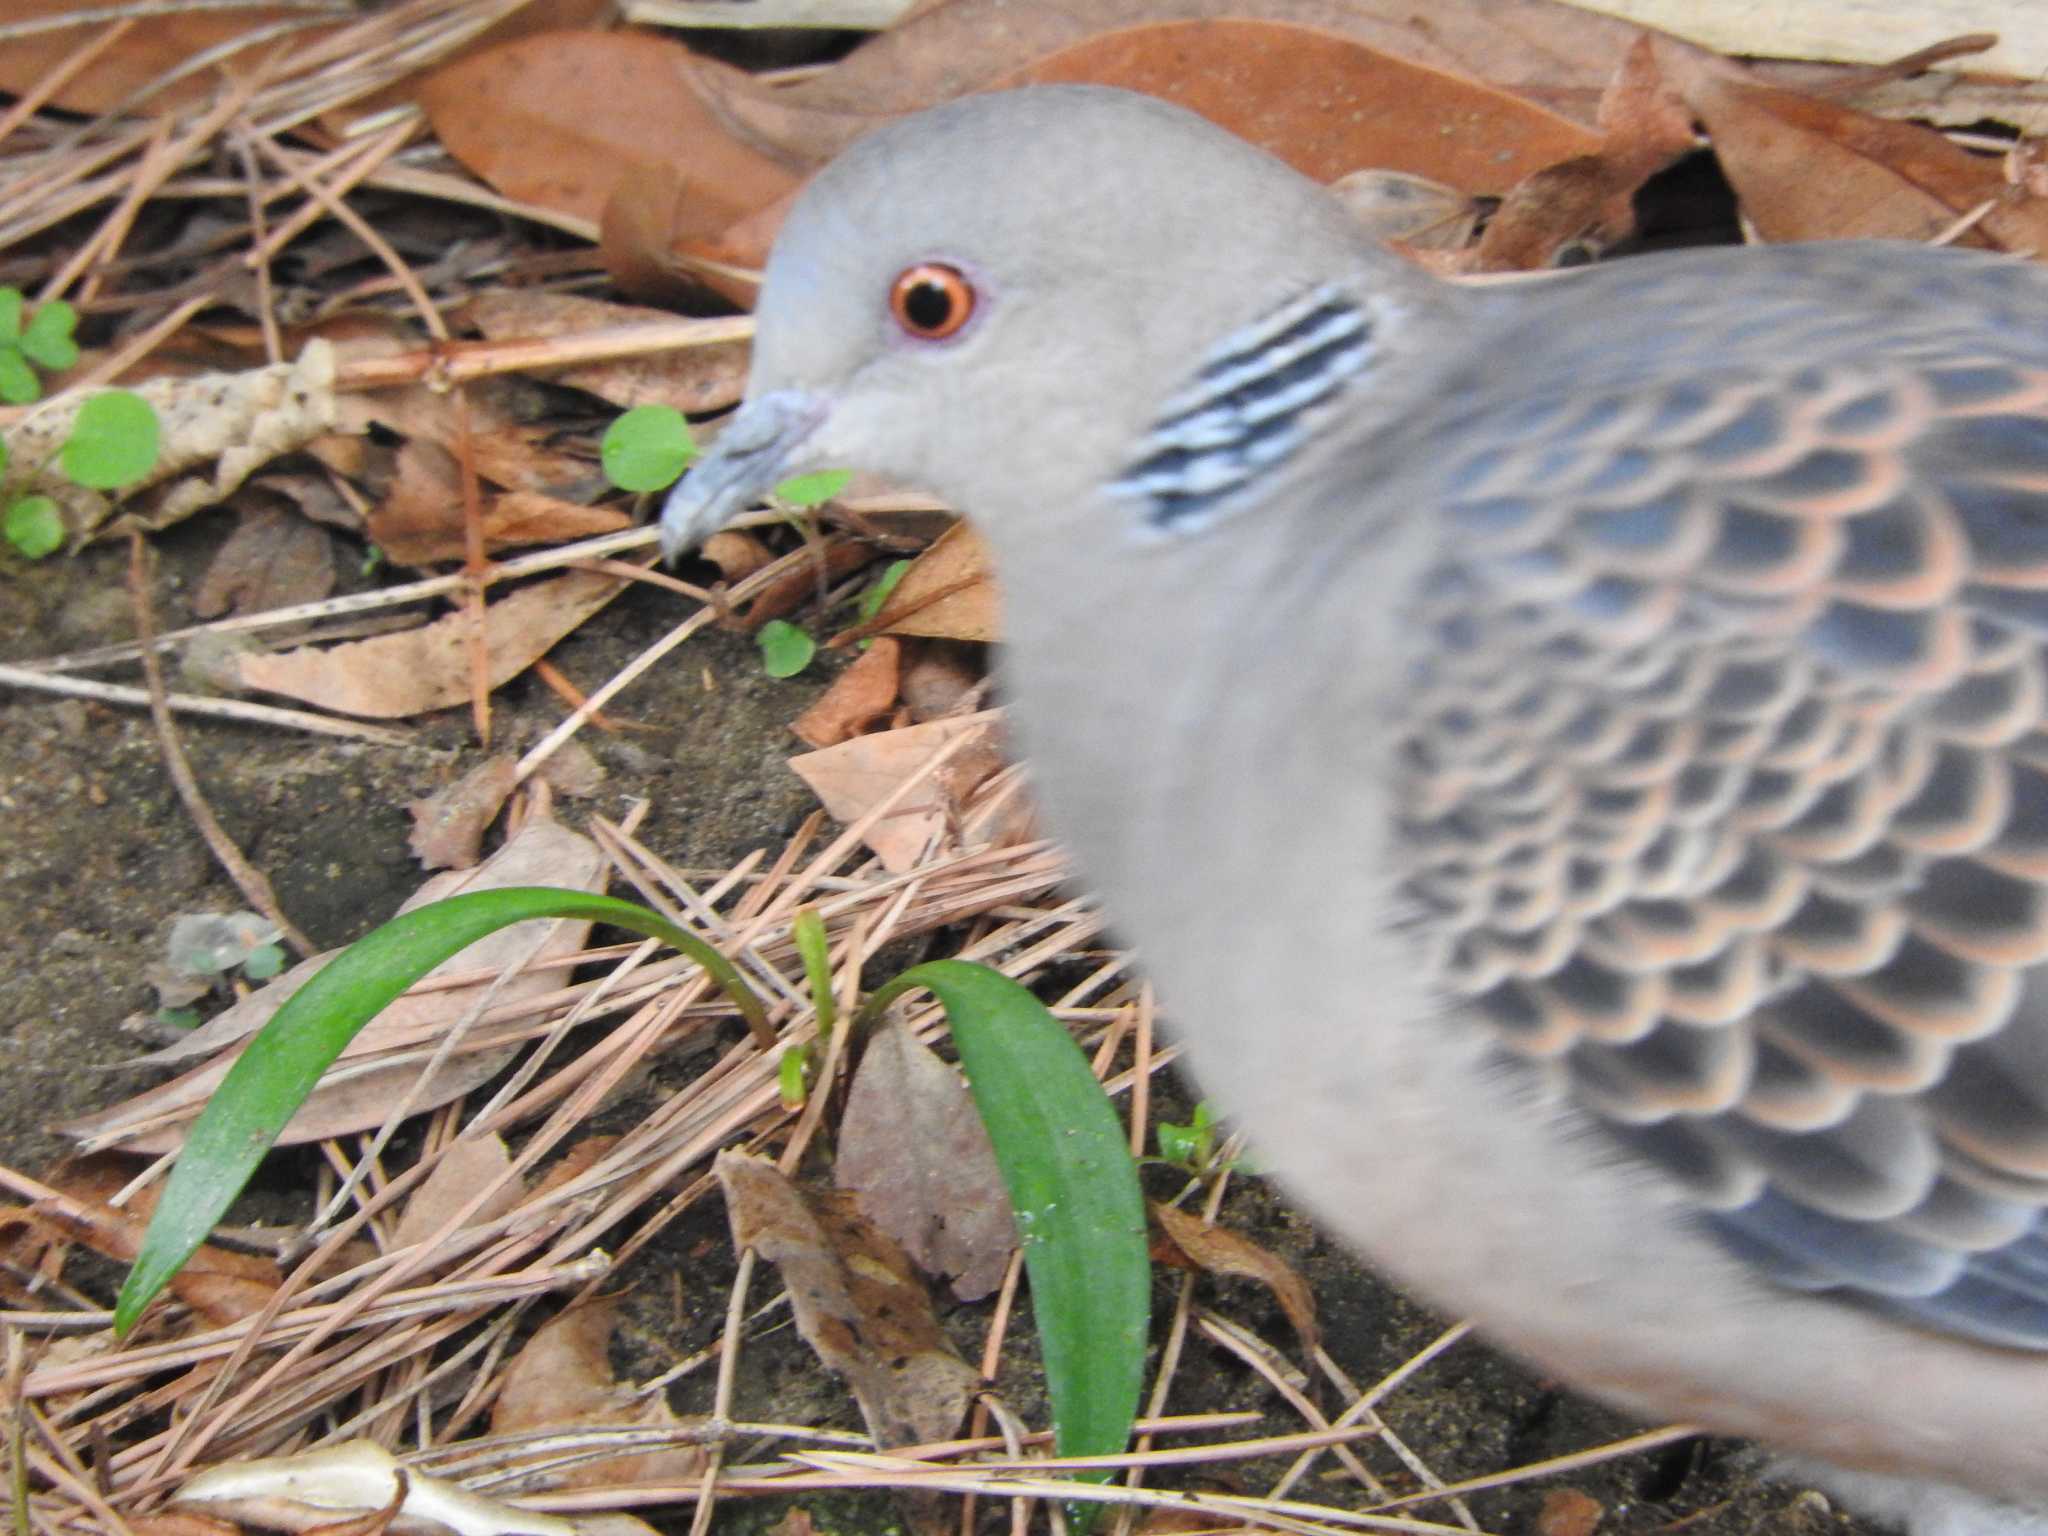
[1259, 395]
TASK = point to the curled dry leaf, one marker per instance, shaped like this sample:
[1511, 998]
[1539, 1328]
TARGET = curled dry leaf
[1587, 203]
[562, 1380]
[1805, 168]
[381, 1066]
[856, 1301]
[861, 695]
[215, 430]
[915, 1157]
[1221, 1251]
[416, 671]
[736, 553]
[312, 1488]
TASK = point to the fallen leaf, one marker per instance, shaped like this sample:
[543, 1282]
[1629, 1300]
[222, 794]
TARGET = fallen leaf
[1324, 103]
[467, 1165]
[1220, 1251]
[854, 776]
[856, 1302]
[949, 593]
[1569, 1512]
[915, 1157]
[1586, 205]
[1805, 168]
[562, 1380]
[273, 559]
[417, 671]
[151, 53]
[564, 118]
[864, 693]
[1556, 56]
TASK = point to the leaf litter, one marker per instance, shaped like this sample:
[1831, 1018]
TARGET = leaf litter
[480, 1250]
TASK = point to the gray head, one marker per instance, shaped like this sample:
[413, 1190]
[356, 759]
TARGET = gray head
[1019, 279]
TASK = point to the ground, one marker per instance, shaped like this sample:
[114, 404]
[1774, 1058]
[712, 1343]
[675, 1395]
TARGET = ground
[99, 855]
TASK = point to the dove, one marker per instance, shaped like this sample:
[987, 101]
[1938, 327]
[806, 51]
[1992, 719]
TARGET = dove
[1570, 753]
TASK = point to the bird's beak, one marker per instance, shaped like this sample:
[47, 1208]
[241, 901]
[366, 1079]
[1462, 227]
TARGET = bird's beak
[760, 447]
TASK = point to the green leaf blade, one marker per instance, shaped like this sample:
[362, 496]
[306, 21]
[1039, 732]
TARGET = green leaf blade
[284, 1060]
[1071, 1178]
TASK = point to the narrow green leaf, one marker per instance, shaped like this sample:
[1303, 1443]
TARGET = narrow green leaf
[113, 442]
[647, 448]
[46, 340]
[814, 489]
[283, 1060]
[785, 649]
[814, 948]
[1075, 1189]
[34, 526]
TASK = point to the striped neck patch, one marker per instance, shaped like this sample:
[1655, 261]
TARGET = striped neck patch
[1259, 395]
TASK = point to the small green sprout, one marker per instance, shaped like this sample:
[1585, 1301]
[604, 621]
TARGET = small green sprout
[647, 448]
[785, 649]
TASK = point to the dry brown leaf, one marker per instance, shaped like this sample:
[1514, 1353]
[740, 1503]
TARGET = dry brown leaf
[273, 559]
[861, 695]
[564, 118]
[941, 677]
[420, 670]
[916, 1158]
[154, 48]
[949, 593]
[692, 379]
[562, 1380]
[533, 517]
[359, 1093]
[1586, 204]
[1220, 1251]
[222, 1286]
[1324, 103]
[856, 1301]
[1554, 55]
[468, 1165]
[737, 554]
[175, 1522]
[850, 778]
[1569, 1512]
[1805, 168]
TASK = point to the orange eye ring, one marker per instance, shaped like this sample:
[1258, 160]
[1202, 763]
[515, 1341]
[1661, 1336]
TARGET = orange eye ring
[931, 300]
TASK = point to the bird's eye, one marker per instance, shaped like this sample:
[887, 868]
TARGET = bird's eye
[931, 300]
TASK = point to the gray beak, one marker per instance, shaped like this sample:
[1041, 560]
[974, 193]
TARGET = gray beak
[755, 452]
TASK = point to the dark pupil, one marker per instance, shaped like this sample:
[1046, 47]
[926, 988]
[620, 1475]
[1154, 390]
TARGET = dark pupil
[928, 305]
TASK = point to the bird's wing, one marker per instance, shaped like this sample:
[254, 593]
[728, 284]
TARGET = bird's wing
[1727, 780]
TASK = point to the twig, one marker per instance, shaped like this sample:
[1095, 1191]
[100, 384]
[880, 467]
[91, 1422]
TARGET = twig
[248, 879]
